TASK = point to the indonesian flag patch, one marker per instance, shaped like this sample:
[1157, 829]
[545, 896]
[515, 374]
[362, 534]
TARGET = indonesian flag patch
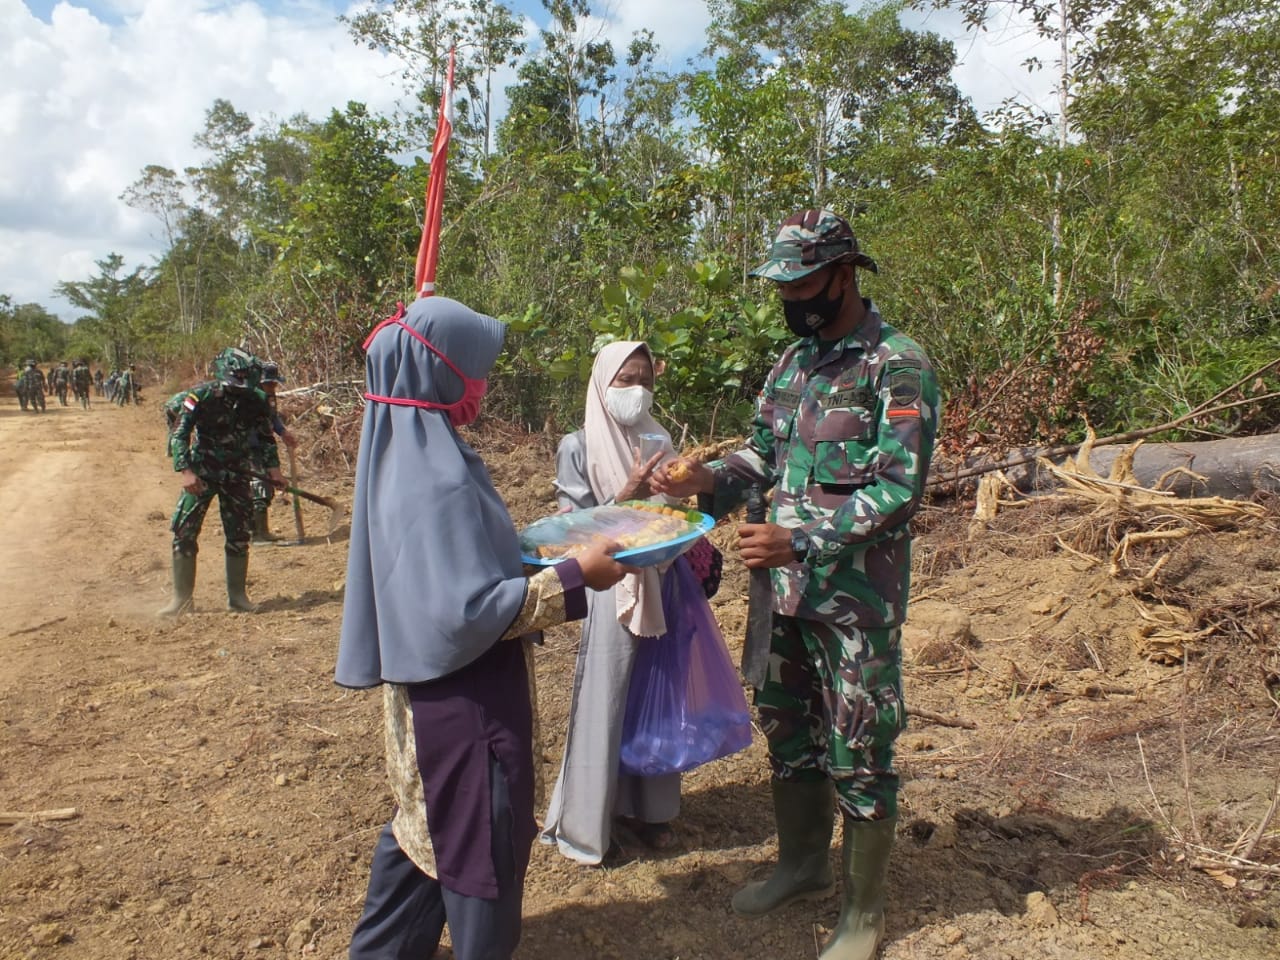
[190, 402]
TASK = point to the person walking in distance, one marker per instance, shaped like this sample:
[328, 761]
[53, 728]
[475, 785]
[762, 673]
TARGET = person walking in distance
[210, 446]
[59, 381]
[80, 383]
[843, 433]
[32, 386]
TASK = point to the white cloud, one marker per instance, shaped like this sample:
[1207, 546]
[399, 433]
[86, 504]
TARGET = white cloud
[990, 68]
[94, 90]
[90, 98]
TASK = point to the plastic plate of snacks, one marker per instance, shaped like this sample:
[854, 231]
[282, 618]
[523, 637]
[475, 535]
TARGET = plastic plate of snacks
[649, 533]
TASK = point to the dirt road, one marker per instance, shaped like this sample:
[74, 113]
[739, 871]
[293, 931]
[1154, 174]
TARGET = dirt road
[228, 794]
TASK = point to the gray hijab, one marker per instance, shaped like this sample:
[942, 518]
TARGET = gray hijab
[434, 576]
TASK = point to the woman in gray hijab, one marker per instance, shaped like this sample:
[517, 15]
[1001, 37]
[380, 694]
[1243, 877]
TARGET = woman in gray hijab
[435, 595]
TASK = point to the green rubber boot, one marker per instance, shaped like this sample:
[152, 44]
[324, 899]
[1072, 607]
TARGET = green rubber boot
[865, 869]
[184, 585]
[237, 575]
[805, 813]
[262, 528]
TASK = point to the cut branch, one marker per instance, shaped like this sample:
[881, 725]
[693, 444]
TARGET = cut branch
[10, 817]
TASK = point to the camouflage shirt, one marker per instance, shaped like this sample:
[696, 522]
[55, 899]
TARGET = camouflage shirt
[213, 430]
[845, 436]
[31, 380]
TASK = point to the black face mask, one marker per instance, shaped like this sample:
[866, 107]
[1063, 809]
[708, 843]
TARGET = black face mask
[806, 317]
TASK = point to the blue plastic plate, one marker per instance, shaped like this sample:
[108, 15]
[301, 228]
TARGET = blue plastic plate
[649, 556]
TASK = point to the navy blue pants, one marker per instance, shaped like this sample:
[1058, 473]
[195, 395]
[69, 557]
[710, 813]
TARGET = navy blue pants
[405, 909]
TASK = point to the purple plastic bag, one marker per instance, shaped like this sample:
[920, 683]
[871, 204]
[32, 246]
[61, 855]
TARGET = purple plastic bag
[685, 706]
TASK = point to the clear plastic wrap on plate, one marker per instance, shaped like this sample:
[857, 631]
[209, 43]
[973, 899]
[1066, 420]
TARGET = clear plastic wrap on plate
[649, 533]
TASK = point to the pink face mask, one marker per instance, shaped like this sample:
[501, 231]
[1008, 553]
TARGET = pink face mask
[461, 412]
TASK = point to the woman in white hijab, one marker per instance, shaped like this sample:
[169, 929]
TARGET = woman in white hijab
[597, 465]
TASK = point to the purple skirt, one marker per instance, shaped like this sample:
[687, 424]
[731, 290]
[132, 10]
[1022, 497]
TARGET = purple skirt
[459, 722]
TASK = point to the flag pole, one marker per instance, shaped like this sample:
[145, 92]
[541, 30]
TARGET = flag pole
[424, 274]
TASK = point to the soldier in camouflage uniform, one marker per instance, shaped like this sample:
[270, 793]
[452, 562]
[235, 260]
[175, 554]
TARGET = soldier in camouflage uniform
[127, 389]
[210, 447]
[843, 432]
[31, 386]
[81, 379]
[59, 381]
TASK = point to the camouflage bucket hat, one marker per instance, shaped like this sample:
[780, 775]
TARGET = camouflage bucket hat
[235, 369]
[809, 241]
[271, 372]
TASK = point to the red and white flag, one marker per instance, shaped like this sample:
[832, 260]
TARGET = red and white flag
[424, 274]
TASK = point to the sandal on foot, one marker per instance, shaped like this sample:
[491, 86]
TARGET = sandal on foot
[655, 836]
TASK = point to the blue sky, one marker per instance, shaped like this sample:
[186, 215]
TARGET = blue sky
[91, 91]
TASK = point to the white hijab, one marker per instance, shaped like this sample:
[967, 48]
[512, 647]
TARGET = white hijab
[609, 458]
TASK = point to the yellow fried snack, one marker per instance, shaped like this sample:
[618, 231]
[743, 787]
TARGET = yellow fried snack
[667, 525]
[679, 471]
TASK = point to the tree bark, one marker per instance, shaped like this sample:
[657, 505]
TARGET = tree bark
[1236, 468]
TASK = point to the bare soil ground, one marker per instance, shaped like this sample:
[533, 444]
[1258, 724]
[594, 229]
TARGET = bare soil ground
[228, 795]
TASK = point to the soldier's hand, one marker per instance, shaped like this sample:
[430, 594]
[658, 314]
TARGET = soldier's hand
[192, 484]
[682, 478]
[765, 545]
[277, 478]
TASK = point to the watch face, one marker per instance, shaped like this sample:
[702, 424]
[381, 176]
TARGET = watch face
[799, 543]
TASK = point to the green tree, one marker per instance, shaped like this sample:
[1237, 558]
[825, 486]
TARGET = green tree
[29, 331]
[109, 300]
[420, 33]
[347, 252]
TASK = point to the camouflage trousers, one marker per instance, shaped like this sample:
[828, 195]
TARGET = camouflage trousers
[831, 706]
[235, 505]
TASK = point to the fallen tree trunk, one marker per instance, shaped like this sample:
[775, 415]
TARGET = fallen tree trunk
[1226, 471]
[1236, 468]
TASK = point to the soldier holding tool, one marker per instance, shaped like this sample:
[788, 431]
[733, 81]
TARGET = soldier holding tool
[844, 431]
[211, 450]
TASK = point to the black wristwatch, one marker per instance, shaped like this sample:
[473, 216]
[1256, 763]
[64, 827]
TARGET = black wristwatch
[800, 544]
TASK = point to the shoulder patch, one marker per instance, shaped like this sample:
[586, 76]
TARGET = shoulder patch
[191, 401]
[904, 388]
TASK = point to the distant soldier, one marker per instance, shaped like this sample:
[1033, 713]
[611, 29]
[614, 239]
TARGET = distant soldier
[211, 450]
[263, 492]
[33, 386]
[125, 387]
[81, 380]
[112, 379]
[60, 381]
[97, 381]
[135, 386]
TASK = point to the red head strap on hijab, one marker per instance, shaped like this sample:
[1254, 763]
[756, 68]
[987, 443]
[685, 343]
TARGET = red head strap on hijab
[461, 412]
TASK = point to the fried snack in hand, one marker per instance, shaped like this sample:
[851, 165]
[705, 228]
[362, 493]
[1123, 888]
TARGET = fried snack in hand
[679, 471]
